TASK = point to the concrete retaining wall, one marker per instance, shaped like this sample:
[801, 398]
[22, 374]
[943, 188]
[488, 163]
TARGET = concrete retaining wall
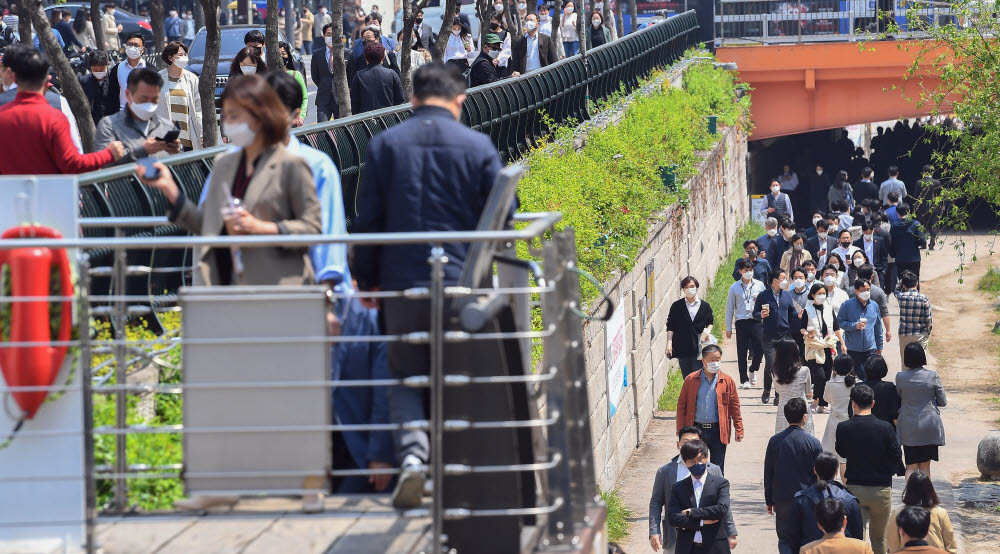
[686, 241]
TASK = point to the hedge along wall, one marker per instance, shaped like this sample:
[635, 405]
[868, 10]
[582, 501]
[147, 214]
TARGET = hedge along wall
[632, 231]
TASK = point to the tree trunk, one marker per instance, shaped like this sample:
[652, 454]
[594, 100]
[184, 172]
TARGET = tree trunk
[409, 14]
[633, 14]
[68, 82]
[445, 31]
[206, 83]
[339, 65]
[199, 17]
[24, 21]
[291, 17]
[609, 19]
[619, 24]
[513, 27]
[555, 21]
[95, 20]
[582, 22]
[156, 21]
[483, 9]
[273, 60]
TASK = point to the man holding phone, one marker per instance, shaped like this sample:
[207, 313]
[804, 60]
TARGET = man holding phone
[137, 126]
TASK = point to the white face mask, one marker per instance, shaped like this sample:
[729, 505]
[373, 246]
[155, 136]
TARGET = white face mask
[858, 262]
[239, 134]
[493, 54]
[329, 41]
[789, 234]
[598, 6]
[521, 6]
[865, 295]
[811, 276]
[498, 7]
[869, 238]
[713, 367]
[248, 69]
[799, 283]
[816, 220]
[819, 298]
[829, 280]
[747, 275]
[100, 74]
[822, 236]
[133, 52]
[595, 22]
[143, 111]
[456, 33]
[691, 292]
[819, 172]
[569, 10]
[783, 284]
[544, 17]
[322, 11]
[112, 12]
[531, 25]
[772, 232]
[181, 61]
[775, 190]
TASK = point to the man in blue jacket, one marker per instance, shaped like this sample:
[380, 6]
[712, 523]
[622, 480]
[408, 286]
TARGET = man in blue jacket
[802, 528]
[775, 307]
[788, 468]
[907, 234]
[430, 173]
[861, 320]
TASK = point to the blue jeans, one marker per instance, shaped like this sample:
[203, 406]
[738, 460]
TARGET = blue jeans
[571, 48]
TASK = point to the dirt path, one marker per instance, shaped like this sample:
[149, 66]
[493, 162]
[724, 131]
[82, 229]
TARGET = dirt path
[964, 351]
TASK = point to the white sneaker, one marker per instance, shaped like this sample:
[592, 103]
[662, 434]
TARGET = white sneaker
[313, 503]
[745, 385]
[812, 409]
[410, 488]
[753, 378]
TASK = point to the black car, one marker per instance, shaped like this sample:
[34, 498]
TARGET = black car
[130, 22]
[230, 45]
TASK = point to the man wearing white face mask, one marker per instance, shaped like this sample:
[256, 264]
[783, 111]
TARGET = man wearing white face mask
[533, 50]
[138, 127]
[134, 47]
[749, 333]
[710, 401]
[861, 320]
[97, 87]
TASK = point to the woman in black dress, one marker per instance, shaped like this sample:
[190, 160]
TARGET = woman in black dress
[686, 321]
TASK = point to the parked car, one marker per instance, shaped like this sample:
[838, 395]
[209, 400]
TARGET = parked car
[130, 22]
[230, 45]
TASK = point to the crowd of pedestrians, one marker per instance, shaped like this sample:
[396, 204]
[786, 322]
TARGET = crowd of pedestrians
[811, 301]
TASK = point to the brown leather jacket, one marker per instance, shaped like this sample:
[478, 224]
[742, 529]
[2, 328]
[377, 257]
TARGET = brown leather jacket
[728, 399]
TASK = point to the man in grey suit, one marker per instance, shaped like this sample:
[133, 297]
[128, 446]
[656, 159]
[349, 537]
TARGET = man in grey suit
[668, 475]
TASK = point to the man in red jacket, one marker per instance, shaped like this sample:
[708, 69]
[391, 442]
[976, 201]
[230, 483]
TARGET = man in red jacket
[709, 401]
[34, 136]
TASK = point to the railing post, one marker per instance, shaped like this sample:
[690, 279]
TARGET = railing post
[119, 320]
[83, 330]
[437, 261]
[798, 17]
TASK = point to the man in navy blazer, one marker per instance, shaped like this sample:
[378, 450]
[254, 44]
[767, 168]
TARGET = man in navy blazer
[699, 504]
[780, 310]
[875, 248]
[666, 477]
[788, 468]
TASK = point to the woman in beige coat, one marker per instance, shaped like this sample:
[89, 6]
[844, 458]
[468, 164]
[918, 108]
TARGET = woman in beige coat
[180, 102]
[919, 491]
[275, 189]
[793, 257]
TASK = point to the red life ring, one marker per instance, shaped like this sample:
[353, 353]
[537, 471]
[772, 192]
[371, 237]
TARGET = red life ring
[30, 273]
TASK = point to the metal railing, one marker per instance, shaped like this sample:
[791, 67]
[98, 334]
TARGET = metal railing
[550, 465]
[790, 21]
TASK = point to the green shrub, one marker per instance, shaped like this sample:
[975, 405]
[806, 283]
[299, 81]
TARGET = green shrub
[618, 515]
[990, 282]
[718, 289]
[672, 392]
[611, 190]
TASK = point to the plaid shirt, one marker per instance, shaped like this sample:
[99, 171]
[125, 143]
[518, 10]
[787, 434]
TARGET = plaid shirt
[914, 313]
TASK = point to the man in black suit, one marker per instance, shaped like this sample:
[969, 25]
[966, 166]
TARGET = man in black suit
[822, 244]
[865, 189]
[788, 468]
[666, 477]
[534, 50]
[697, 505]
[321, 68]
[875, 248]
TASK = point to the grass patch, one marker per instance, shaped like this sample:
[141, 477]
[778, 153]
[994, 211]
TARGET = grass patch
[618, 515]
[990, 282]
[671, 392]
[718, 288]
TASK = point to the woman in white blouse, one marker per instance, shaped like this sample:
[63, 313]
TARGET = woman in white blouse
[461, 48]
[570, 37]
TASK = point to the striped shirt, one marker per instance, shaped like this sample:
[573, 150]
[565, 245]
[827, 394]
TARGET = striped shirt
[914, 313]
[179, 110]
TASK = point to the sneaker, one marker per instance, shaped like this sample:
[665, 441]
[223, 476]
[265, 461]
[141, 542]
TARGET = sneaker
[745, 385]
[812, 409]
[313, 503]
[410, 488]
[822, 410]
[753, 378]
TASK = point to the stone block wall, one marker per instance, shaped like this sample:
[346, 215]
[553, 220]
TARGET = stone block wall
[690, 240]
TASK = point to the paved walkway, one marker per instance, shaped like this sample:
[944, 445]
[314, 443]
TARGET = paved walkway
[745, 460]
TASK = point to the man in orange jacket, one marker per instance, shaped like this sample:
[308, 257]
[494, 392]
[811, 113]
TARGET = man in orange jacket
[709, 400]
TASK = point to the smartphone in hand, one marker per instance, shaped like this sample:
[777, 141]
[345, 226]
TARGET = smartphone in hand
[171, 135]
[152, 172]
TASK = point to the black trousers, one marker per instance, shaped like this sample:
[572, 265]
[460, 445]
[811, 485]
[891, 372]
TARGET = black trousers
[717, 451]
[859, 361]
[820, 375]
[911, 266]
[769, 346]
[749, 339]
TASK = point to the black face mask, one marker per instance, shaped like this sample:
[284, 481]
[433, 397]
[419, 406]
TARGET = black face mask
[495, 27]
[418, 21]
[845, 244]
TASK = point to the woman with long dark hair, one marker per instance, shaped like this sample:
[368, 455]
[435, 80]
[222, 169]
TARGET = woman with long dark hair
[289, 61]
[247, 62]
[791, 380]
[920, 491]
[83, 28]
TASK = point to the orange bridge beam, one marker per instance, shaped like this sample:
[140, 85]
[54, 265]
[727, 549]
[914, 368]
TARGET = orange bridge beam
[810, 87]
